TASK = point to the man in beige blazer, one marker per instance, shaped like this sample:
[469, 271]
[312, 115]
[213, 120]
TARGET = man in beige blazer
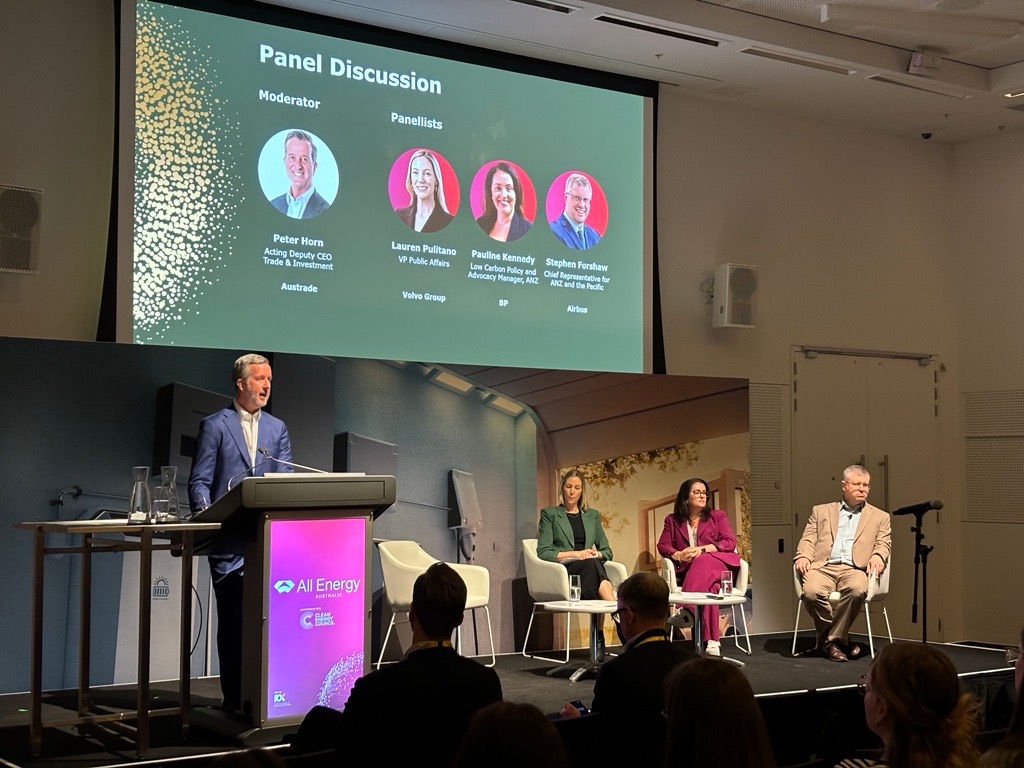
[843, 543]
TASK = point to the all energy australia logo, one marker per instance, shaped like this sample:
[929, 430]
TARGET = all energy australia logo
[161, 588]
[284, 585]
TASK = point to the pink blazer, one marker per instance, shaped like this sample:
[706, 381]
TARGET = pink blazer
[715, 530]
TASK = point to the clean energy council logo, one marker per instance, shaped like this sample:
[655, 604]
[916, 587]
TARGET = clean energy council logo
[309, 618]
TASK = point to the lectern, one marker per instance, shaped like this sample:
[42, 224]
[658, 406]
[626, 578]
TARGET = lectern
[306, 539]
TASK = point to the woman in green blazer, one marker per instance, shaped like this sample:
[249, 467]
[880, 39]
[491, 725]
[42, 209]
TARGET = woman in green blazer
[571, 534]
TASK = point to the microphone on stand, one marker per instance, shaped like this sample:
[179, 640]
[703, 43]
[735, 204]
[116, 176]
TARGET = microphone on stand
[920, 508]
[245, 473]
[266, 453]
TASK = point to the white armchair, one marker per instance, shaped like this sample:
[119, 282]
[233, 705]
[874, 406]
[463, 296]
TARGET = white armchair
[878, 588]
[401, 562]
[549, 582]
[668, 572]
[478, 585]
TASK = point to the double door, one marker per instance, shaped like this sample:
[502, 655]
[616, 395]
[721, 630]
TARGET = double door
[882, 412]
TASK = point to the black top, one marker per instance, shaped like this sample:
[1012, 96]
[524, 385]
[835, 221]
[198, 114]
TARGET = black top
[629, 691]
[425, 701]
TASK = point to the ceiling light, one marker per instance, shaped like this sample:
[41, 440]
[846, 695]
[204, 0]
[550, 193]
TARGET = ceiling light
[449, 380]
[1014, 94]
[919, 21]
[505, 405]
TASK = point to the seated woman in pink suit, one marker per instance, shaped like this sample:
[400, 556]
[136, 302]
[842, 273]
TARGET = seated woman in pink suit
[702, 545]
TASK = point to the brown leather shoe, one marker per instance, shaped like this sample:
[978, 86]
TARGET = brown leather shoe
[833, 652]
[853, 650]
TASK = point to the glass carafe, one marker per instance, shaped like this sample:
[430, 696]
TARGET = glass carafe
[140, 503]
[168, 493]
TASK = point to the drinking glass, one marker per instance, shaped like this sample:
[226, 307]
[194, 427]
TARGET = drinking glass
[726, 582]
[574, 588]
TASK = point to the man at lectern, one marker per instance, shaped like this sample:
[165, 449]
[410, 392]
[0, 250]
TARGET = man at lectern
[234, 443]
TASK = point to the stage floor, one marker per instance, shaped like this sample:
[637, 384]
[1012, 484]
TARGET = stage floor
[808, 691]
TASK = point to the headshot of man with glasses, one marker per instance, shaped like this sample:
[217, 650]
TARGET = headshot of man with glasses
[570, 227]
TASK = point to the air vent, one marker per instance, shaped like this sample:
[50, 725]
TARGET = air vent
[926, 89]
[821, 65]
[19, 229]
[663, 31]
[557, 7]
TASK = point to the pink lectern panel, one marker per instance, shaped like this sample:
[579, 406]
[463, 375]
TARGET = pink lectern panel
[317, 600]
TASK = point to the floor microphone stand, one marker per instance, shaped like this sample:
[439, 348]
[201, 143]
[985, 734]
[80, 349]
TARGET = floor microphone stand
[920, 564]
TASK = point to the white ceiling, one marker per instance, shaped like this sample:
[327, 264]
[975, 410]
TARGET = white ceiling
[772, 55]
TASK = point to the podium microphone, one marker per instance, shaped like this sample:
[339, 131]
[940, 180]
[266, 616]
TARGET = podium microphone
[245, 473]
[266, 453]
[920, 508]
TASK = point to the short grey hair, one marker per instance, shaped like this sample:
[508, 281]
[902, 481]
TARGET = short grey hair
[241, 366]
[576, 180]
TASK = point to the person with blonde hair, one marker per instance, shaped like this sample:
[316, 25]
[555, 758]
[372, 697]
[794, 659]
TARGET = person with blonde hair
[571, 534]
[913, 703]
[427, 210]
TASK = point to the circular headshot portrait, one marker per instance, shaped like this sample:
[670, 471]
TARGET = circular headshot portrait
[503, 199]
[298, 173]
[577, 210]
[423, 189]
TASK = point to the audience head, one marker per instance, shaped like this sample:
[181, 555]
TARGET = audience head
[703, 696]
[1010, 751]
[913, 702]
[510, 735]
[642, 605]
[438, 602]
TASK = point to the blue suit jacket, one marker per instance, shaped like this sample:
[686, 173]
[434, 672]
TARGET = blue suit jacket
[563, 231]
[222, 460]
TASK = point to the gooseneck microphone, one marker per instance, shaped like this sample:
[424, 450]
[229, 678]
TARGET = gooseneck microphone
[245, 472]
[266, 453]
[920, 508]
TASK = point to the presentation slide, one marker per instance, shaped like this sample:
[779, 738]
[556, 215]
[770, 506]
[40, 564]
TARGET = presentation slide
[308, 193]
[316, 614]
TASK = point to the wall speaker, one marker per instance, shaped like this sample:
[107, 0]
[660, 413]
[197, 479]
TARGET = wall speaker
[733, 305]
[19, 229]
